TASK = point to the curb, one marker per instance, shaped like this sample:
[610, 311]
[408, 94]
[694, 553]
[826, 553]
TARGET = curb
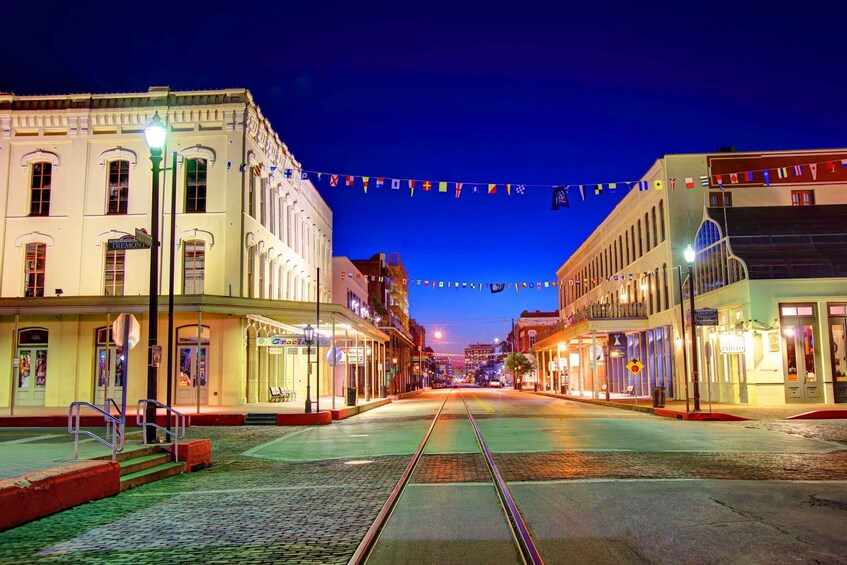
[664, 412]
[41, 493]
[820, 415]
[344, 413]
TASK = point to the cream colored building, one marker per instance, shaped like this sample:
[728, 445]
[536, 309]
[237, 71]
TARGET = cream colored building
[764, 262]
[250, 238]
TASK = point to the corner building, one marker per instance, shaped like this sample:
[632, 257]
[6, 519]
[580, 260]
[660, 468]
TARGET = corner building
[250, 237]
[771, 260]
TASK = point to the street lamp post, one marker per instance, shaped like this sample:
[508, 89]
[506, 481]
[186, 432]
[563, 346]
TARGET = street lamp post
[155, 134]
[309, 334]
[695, 373]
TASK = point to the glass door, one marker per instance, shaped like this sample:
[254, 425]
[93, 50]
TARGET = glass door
[192, 366]
[109, 371]
[838, 334]
[802, 383]
[31, 367]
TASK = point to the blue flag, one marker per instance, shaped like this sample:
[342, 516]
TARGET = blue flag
[560, 197]
[497, 287]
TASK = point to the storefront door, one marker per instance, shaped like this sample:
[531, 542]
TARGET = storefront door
[31, 372]
[109, 373]
[802, 379]
[838, 354]
[192, 366]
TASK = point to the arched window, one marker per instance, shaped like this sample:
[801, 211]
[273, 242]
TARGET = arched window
[647, 230]
[35, 266]
[251, 194]
[658, 290]
[118, 189]
[662, 217]
[627, 247]
[665, 283]
[193, 266]
[640, 248]
[40, 182]
[655, 238]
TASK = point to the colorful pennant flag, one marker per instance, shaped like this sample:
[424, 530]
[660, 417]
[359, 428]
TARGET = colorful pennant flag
[689, 182]
[379, 182]
[582, 192]
[508, 190]
[704, 182]
[427, 186]
[349, 181]
[333, 180]
[492, 189]
[304, 175]
[814, 168]
[798, 170]
[365, 183]
[748, 176]
[673, 184]
[719, 179]
[521, 189]
[613, 187]
[782, 172]
[642, 185]
[442, 187]
[658, 185]
[767, 175]
[411, 188]
[395, 184]
[287, 173]
[458, 189]
[733, 178]
[598, 189]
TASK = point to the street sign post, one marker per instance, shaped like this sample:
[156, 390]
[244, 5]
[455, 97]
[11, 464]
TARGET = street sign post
[143, 237]
[635, 366]
[125, 243]
[125, 332]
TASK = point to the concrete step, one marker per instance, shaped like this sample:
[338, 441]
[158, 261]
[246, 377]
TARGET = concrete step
[150, 475]
[133, 452]
[131, 466]
[260, 419]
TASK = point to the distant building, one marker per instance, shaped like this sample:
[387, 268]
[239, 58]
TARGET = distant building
[529, 325]
[477, 355]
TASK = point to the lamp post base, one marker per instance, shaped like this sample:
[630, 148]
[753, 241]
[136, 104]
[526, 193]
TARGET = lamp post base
[308, 406]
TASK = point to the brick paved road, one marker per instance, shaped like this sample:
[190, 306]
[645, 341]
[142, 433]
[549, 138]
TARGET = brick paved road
[250, 508]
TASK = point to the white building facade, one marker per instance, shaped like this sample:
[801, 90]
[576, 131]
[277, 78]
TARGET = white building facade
[250, 235]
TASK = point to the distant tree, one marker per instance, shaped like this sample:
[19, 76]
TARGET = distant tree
[519, 365]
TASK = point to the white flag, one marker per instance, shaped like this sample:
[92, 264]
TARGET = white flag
[395, 184]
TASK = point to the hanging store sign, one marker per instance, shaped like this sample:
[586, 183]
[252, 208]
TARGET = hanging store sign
[732, 343]
[706, 317]
[289, 340]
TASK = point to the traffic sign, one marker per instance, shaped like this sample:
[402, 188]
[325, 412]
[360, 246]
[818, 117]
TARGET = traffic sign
[635, 366]
[142, 236]
[118, 331]
[125, 243]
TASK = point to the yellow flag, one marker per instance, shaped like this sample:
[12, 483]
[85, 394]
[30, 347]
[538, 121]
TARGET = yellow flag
[508, 189]
[657, 185]
[442, 187]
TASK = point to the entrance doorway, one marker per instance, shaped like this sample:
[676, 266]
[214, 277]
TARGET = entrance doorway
[192, 386]
[31, 359]
[838, 354]
[109, 371]
[800, 358]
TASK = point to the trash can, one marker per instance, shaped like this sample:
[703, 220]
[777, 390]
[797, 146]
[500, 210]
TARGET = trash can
[351, 396]
[564, 389]
[658, 397]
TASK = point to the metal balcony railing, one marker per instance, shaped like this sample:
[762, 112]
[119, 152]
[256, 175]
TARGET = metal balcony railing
[633, 310]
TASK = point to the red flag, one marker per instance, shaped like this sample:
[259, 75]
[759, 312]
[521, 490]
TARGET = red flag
[831, 166]
[427, 186]
[333, 180]
[689, 182]
[349, 181]
[673, 183]
[458, 189]
[733, 178]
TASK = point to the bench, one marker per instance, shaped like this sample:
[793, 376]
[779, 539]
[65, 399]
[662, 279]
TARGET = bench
[276, 394]
[603, 388]
[630, 390]
[288, 395]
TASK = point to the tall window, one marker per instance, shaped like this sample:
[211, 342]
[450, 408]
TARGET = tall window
[662, 217]
[647, 229]
[251, 194]
[113, 271]
[42, 174]
[193, 266]
[118, 187]
[720, 199]
[36, 258]
[802, 198]
[665, 283]
[640, 244]
[195, 185]
[653, 217]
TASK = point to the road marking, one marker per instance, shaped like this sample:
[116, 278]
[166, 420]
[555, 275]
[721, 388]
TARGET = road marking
[484, 405]
[250, 452]
[28, 439]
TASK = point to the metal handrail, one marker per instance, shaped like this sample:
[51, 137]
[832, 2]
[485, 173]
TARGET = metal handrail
[177, 433]
[114, 427]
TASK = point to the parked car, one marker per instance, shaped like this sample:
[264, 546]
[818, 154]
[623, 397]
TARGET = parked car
[494, 384]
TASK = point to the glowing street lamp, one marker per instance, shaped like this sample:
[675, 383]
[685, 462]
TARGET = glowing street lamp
[155, 133]
[690, 256]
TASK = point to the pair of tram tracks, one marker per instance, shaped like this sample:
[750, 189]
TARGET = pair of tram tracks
[520, 534]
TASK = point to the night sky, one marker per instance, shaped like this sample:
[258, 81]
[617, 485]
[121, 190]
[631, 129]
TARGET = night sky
[481, 93]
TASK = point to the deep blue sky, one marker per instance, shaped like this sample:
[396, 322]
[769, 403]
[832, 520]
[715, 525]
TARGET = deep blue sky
[482, 92]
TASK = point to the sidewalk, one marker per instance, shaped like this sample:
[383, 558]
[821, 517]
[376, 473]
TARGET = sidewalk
[714, 411]
[289, 413]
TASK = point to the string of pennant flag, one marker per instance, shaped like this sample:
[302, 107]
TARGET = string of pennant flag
[494, 288]
[560, 191]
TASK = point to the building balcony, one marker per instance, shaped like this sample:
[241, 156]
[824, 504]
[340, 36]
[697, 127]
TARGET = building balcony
[633, 310]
